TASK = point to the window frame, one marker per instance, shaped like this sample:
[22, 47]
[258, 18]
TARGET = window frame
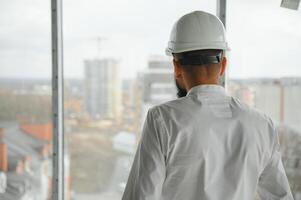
[57, 100]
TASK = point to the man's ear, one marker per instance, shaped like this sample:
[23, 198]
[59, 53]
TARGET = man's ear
[223, 66]
[177, 69]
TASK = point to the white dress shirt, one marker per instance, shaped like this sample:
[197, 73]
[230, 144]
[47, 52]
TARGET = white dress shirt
[207, 146]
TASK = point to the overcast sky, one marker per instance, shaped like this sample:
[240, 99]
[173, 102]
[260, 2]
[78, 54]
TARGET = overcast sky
[265, 39]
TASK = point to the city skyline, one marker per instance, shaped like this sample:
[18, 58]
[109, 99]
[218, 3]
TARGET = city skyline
[257, 49]
[94, 145]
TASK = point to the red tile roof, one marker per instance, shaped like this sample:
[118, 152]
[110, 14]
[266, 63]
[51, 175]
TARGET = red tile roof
[39, 131]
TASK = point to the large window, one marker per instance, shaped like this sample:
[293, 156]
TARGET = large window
[25, 100]
[264, 70]
[115, 69]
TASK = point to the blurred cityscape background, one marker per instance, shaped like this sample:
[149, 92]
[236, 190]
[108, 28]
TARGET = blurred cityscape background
[103, 118]
[111, 79]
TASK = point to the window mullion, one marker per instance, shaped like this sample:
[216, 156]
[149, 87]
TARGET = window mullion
[57, 100]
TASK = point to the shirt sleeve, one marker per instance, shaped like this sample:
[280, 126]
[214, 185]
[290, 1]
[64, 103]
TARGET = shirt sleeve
[273, 183]
[148, 170]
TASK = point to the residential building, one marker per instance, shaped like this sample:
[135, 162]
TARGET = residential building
[103, 89]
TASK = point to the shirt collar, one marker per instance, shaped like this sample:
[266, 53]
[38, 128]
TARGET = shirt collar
[207, 89]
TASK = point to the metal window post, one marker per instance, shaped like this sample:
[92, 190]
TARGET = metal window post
[221, 10]
[57, 101]
[221, 13]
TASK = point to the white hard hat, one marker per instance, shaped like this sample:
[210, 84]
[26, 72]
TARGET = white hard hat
[197, 31]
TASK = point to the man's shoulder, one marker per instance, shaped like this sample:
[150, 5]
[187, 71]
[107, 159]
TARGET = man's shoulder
[250, 112]
[242, 110]
[174, 104]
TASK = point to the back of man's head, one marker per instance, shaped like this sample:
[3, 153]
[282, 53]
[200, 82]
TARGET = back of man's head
[197, 43]
[200, 64]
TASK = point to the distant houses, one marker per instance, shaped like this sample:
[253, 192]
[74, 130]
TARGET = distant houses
[25, 161]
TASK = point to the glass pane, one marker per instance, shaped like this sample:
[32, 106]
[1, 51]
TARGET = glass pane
[115, 68]
[264, 70]
[25, 100]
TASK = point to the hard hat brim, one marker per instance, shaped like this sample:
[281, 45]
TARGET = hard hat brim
[169, 50]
